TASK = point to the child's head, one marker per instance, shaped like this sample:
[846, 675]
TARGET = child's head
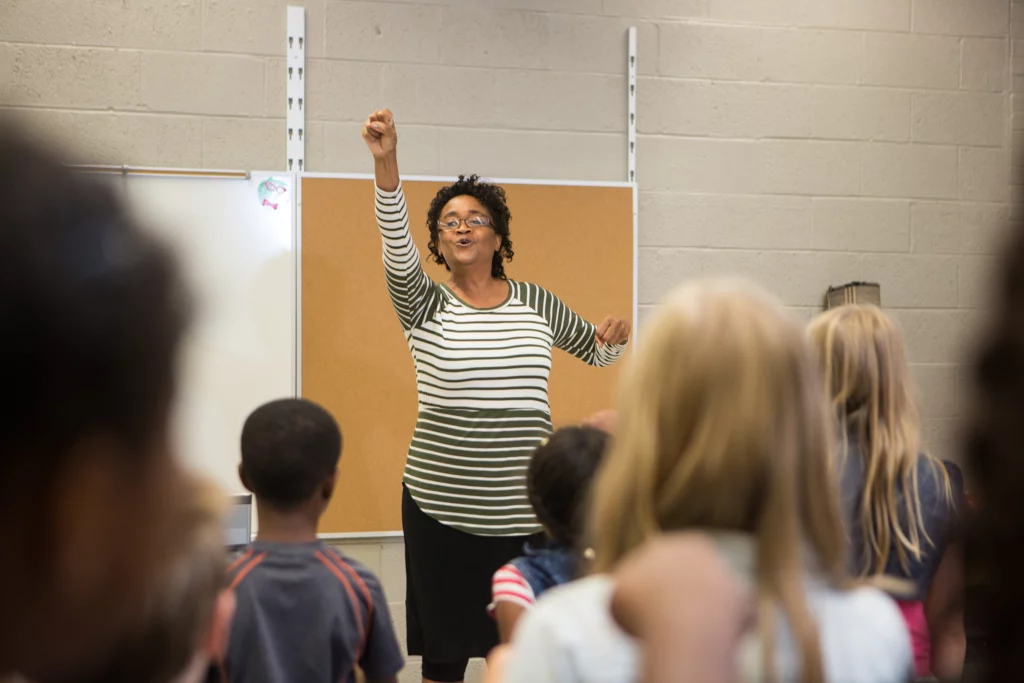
[867, 381]
[722, 427]
[864, 367]
[558, 480]
[290, 452]
[184, 625]
[92, 311]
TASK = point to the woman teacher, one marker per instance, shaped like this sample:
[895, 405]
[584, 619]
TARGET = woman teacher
[481, 345]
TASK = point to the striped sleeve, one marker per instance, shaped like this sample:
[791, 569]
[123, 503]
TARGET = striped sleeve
[572, 333]
[411, 290]
[509, 585]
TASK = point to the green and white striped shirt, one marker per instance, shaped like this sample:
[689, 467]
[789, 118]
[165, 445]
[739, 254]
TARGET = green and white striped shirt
[482, 383]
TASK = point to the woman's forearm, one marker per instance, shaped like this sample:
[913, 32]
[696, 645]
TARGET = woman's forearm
[385, 171]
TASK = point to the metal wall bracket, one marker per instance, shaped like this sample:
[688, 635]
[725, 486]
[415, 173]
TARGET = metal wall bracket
[295, 92]
[631, 130]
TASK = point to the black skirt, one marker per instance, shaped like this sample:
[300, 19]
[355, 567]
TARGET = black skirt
[448, 586]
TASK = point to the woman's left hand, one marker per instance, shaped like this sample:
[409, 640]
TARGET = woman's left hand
[612, 331]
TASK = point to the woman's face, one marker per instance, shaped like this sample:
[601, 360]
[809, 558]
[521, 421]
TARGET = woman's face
[466, 247]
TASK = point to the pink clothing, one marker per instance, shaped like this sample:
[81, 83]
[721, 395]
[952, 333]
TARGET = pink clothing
[509, 585]
[920, 638]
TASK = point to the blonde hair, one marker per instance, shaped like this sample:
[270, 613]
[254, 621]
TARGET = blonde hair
[869, 389]
[179, 612]
[722, 427]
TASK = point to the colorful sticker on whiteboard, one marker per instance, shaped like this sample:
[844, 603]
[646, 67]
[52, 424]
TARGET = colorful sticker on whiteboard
[273, 192]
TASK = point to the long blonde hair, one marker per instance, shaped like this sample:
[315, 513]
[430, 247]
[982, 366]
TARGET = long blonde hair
[722, 427]
[868, 386]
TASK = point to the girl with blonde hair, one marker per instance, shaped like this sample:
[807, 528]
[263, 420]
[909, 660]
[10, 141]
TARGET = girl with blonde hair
[898, 502]
[722, 429]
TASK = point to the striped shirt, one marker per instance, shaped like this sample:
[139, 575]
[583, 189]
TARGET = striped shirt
[482, 384]
[509, 585]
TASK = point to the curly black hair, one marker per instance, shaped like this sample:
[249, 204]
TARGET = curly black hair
[493, 198]
[995, 456]
[559, 477]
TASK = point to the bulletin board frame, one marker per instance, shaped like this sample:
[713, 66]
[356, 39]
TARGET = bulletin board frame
[415, 222]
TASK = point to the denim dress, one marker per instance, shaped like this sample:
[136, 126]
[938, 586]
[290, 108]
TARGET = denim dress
[546, 567]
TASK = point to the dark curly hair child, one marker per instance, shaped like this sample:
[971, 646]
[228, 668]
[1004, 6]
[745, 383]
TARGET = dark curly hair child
[558, 481]
[493, 198]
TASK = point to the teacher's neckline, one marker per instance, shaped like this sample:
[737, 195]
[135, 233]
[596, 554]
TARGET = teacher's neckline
[508, 297]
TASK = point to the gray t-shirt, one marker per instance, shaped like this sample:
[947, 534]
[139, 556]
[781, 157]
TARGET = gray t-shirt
[307, 613]
[570, 636]
[940, 516]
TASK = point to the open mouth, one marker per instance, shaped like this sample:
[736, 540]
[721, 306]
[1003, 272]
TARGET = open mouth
[463, 242]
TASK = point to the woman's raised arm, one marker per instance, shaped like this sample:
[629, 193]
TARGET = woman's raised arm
[411, 290]
[382, 139]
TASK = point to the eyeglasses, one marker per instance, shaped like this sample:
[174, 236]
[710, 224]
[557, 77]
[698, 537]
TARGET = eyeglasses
[474, 221]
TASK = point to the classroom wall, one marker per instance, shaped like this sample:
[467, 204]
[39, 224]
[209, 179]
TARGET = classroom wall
[800, 142]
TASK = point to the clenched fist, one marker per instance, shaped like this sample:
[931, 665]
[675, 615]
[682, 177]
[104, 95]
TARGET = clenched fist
[379, 133]
[612, 331]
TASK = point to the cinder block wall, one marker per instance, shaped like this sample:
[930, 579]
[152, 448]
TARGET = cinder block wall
[799, 142]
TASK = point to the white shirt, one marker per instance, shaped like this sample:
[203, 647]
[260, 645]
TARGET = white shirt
[569, 637]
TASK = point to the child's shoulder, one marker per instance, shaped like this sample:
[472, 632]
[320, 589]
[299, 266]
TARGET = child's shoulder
[883, 637]
[584, 599]
[863, 602]
[352, 569]
[236, 552]
[339, 556]
[241, 560]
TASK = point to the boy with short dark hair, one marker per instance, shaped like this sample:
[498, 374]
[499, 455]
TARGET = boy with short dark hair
[305, 611]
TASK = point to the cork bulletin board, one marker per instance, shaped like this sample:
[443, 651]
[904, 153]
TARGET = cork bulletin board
[577, 240]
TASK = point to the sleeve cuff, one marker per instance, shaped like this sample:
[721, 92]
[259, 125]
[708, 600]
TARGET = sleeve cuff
[388, 195]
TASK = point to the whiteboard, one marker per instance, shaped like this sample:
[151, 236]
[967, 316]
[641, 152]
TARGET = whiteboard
[236, 243]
